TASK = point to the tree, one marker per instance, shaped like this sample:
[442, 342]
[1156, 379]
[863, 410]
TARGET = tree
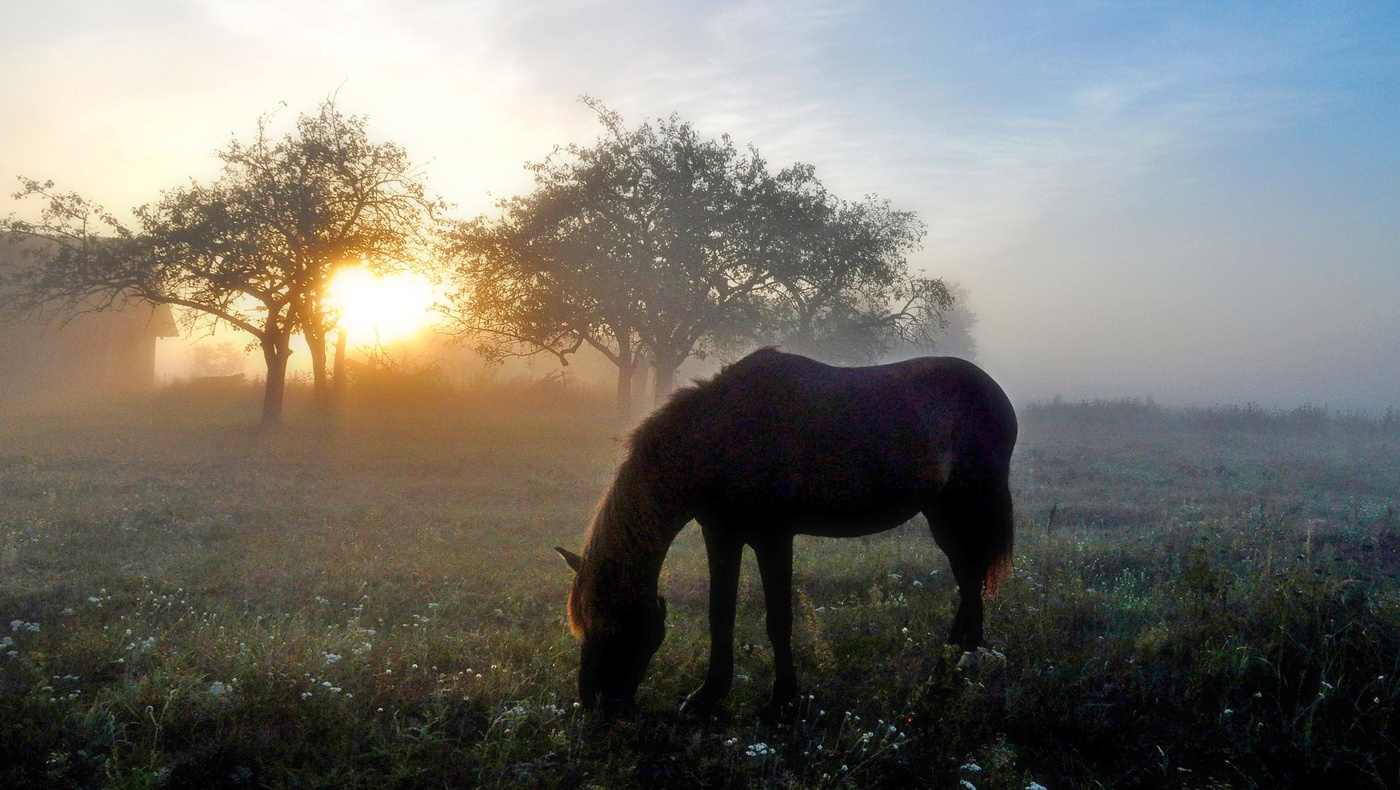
[957, 339]
[656, 244]
[325, 197]
[841, 287]
[647, 245]
[255, 250]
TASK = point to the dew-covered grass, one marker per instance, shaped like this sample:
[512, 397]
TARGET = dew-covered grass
[1201, 599]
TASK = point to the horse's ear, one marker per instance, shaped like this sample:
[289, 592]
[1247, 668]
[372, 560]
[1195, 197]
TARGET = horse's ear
[575, 561]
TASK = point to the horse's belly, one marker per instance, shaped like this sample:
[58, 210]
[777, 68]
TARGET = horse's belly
[867, 523]
[818, 509]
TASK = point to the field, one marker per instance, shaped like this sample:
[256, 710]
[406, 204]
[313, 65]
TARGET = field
[1204, 598]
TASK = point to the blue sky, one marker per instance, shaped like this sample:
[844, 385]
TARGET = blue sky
[1194, 202]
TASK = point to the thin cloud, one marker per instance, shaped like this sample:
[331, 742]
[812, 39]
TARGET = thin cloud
[1075, 162]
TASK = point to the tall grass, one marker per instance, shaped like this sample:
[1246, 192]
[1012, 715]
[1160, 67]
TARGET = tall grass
[186, 602]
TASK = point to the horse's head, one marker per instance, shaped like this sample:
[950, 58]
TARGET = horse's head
[619, 637]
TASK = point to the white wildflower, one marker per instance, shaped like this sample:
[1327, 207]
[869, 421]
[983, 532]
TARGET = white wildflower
[760, 750]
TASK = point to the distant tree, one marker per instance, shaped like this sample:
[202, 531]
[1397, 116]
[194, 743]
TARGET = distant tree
[256, 249]
[957, 339]
[655, 244]
[222, 359]
[643, 247]
[320, 198]
[842, 290]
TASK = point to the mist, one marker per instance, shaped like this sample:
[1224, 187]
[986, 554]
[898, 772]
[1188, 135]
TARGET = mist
[1191, 205]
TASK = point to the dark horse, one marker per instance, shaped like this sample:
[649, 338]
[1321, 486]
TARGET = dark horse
[777, 445]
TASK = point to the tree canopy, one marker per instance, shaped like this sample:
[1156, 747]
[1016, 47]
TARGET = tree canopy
[656, 244]
[255, 249]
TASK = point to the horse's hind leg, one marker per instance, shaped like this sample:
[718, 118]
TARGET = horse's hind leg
[967, 623]
[775, 566]
[972, 525]
[725, 553]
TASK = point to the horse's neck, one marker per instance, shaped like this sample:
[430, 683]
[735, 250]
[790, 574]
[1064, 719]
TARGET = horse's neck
[636, 525]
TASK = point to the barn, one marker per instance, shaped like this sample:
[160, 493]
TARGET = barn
[111, 352]
[93, 354]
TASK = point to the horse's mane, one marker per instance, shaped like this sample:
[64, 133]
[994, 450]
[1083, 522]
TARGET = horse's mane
[623, 532]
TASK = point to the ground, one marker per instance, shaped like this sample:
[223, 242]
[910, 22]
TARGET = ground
[1205, 598]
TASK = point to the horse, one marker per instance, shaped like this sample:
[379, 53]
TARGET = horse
[776, 445]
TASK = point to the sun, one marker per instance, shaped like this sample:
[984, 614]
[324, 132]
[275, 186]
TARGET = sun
[382, 308]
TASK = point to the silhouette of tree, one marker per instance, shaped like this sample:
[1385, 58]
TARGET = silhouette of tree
[957, 339]
[644, 246]
[842, 289]
[256, 249]
[655, 244]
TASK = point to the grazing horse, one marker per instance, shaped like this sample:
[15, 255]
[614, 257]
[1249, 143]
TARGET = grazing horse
[777, 445]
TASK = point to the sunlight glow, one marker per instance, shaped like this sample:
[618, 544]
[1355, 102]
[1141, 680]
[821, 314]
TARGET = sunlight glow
[382, 308]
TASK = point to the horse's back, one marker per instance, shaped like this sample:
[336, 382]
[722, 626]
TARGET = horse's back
[786, 433]
[935, 396]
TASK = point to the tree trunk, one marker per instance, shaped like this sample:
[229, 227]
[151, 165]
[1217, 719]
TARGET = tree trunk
[624, 390]
[665, 380]
[341, 384]
[320, 387]
[640, 370]
[626, 358]
[275, 355]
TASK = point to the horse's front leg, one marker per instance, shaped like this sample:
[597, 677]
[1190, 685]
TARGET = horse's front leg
[775, 566]
[725, 553]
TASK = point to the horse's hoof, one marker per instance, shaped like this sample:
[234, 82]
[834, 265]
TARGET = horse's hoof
[975, 658]
[619, 709]
[700, 707]
[772, 713]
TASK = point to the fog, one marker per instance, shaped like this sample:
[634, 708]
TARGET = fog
[1193, 205]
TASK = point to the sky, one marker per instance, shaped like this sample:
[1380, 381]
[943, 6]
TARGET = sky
[1193, 202]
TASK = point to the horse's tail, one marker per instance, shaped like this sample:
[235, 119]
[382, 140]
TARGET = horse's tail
[977, 523]
[999, 541]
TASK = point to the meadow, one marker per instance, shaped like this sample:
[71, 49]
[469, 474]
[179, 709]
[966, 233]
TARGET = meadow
[1201, 598]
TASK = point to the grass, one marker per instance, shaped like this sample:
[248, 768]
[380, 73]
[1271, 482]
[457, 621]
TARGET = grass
[1205, 598]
